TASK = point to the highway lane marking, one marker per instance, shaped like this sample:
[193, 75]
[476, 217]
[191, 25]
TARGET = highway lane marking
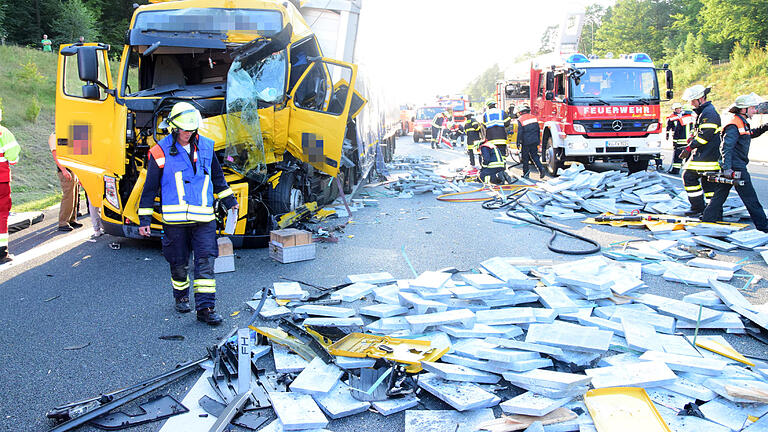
[39, 251]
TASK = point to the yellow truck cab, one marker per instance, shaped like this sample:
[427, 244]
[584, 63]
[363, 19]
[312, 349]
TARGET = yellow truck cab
[278, 111]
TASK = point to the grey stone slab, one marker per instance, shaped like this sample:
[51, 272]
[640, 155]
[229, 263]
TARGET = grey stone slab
[462, 396]
[326, 311]
[729, 294]
[276, 426]
[387, 325]
[339, 402]
[532, 404]
[714, 243]
[555, 298]
[603, 324]
[482, 281]
[667, 398]
[730, 414]
[297, 411]
[384, 310]
[506, 355]
[525, 365]
[334, 322]
[523, 346]
[481, 365]
[420, 304]
[471, 293]
[354, 362]
[431, 280]
[661, 323]
[513, 277]
[453, 372]
[482, 330]
[391, 406]
[317, 378]
[511, 300]
[271, 310]
[639, 335]
[371, 278]
[570, 336]
[691, 389]
[419, 323]
[708, 298]
[353, 292]
[445, 420]
[513, 315]
[683, 363]
[714, 264]
[286, 361]
[469, 347]
[641, 374]
[547, 378]
[288, 291]
[729, 320]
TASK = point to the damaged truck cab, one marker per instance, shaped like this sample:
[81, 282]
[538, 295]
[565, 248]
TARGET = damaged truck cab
[281, 115]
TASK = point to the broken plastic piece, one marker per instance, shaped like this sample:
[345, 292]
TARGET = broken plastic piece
[154, 410]
[610, 409]
[408, 351]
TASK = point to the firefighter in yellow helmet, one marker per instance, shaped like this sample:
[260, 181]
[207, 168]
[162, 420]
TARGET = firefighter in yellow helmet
[9, 155]
[184, 167]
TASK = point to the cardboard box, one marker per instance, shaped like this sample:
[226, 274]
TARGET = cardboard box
[225, 246]
[290, 237]
[292, 253]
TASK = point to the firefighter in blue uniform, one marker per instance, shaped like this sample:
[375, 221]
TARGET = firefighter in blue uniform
[679, 127]
[472, 130]
[492, 168]
[495, 123]
[737, 136]
[703, 151]
[184, 167]
[528, 140]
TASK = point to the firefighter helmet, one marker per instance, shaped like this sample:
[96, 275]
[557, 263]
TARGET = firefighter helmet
[183, 116]
[695, 92]
[523, 109]
[746, 101]
[490, 103]
[677, 105]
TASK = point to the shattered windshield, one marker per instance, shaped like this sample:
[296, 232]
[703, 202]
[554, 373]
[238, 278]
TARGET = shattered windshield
[250, 85]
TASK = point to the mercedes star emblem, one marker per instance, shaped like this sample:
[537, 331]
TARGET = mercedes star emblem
[617, 125]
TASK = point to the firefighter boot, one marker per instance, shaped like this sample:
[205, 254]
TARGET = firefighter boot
[209, 316]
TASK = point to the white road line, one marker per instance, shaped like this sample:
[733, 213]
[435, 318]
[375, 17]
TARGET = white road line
[39, 251]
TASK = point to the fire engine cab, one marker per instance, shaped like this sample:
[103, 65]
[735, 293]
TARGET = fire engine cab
[599, 109]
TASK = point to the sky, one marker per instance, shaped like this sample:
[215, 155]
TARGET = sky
[420, 48]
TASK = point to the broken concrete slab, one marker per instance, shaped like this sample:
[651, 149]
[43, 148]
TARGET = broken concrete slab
[512, 315]
[462, 396]
[419, 323]
[317, 378]
[384, 310]
[388, 325]
[675, 344]
[730, 414]
[661, 323]
[339, 402]
[511, 300]
[431, 280]
[620, 359]
[453, 372]
[667, 398]
[641, 374]
[513, 277]
[615, 326]
[570, 336]
[297, 411]
[739, 390]
[334, 322]
[353, 292]
[420, 304]
[473, 363]
[523, 346]
[470, 346]
[444, 420]
[287, 361]
[708, 298]
[556, 299]
[691, 389]
[371, 278]
[689, 311]
[469, 292]
[683, 363]
[288, 291]
[729, 294]
[354, 362]
[729, 320]
[483, 281]
[271, 310]
[714, 264]
[547, 378]
[523, 365]
[326, 311]
[639, 335]
[505, 355]
[392, 406]
[532, 404]
[714, 243]
[482, 330]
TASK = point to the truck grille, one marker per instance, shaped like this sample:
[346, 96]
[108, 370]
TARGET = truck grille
[604, 126]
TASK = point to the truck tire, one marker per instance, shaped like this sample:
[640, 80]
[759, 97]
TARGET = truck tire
[552, 157]
[286, 196]
[415, 137]
[350, 179]
[635, 166]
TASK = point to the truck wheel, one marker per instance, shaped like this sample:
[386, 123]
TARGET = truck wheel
[552, 157]
[349, 180]
[286, 196]
[415, 137]
[635, 166]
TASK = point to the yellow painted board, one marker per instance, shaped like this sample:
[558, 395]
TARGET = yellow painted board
[624, 409]
[723, 350]
[408, 351]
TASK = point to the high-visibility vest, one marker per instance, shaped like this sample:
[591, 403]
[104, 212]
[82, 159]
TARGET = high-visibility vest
[9, 154]
[739, 123]
[497, 162]
[493, 117]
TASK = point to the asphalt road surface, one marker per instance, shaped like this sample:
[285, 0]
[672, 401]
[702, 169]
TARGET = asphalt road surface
[84, 318]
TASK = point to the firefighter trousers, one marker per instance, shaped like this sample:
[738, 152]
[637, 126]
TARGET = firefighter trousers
[677, 163]
[530, 153]
[697, 188]
[495, 176]
[471, 153]
[178, 242]
[433, 139]
[5, 209]
[714, 211]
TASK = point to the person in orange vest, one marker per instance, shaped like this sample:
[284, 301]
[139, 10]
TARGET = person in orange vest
[737, 136]
[9, 155]
[679, 125]
[528, 140]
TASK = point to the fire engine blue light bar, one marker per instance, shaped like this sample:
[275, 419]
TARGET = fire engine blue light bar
[577, 58]
[642, 58]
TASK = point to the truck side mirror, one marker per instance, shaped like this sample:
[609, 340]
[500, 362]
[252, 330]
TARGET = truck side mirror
[670, 94]
[549, 95]
[550, 81]
[669, 79]
[88, 64]
[91, 91]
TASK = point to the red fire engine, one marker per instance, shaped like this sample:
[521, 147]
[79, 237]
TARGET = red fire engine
[599, 109]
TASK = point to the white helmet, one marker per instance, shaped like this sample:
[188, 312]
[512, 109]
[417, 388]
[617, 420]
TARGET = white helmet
[677, 105]
[695, 92]
[746, 101]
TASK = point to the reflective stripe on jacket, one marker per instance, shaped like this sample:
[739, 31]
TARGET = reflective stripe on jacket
[9, 154]
[491, 159]
[735, 144]
[528, 132]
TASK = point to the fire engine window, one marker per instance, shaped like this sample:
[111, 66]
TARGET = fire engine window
[542, 83]
[559, 86]
[73, 86]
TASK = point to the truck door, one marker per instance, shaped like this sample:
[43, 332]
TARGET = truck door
[89, 140]
[320, 107]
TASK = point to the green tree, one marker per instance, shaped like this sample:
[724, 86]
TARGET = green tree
[3, 31]
[75, 19]
[593, 18]
[729, 21]
[636, 26]
[484, 85]
[549, 39]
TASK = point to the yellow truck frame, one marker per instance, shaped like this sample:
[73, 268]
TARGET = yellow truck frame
[284, 150]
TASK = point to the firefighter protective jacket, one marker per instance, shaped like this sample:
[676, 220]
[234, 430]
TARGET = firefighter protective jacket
[495, 121]
[187, 183]
[490, 156]
[9, 154]
[528, 132]
[736, 139]
[680, 125]
[472, 129]
[439, 120]
[706, 140]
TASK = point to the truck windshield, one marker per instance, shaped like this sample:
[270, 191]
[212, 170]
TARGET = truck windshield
[210, 20]
[427, 113]
[615, 84]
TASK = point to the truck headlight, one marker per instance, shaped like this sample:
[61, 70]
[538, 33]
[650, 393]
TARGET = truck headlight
[653, 127]
[110, 191]
[579, 128]
[419, 128]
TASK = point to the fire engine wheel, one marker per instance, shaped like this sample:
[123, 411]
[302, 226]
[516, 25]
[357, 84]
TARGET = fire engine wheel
[635, 166]
[415, 137]
[286, 196]
[553, 157]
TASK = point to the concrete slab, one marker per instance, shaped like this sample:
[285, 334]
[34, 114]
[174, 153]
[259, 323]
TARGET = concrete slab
[482, 281]
[555, 298]
[517, 298]
[640, 336]
[317, 378]
[326, 311]
[728, 320]
[419, 323]
[334, 322]
[677, 345]
[513, 277]
[481, 365]
[469, 292]
[691, 389]
[388, 325]
[729, 294]
[431, 280]
[462, 396]
[669, 399]
[288, 291]
[445, 420]
[371, 278]
[276, 426]
[688, 311]
[730, 414]
[353, 292]
[641, 374]
[714, 264]
[392, 406]
[523, 346]
[297, 411]
[570, 336]
[726, 387]
[661, 323]
[420, 304]
[619, 359]
[469, 347]
[513, 315]
[287, 361]
[681, 363]
[525, 365]
[603, 324]
[354, 362]
[339, 402]
[708, 298]
[271, 310]
[532, 404]
[384, 310]
[714, 243]
[505, 355]
[452, 372]
[547, 378]
[482, 330]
